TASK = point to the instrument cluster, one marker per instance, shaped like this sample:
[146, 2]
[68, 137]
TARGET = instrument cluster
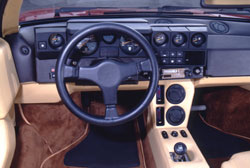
[89, 45]
[115, 45]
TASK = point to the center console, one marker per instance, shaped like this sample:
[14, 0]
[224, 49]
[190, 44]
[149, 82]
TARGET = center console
[170, 140]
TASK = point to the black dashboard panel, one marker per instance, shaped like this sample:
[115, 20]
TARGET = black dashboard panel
[229, 63]
[175, 51]
[185, 48]
[24, 57]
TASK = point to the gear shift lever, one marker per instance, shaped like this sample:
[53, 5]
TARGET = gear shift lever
[180, 148]
[180, 153]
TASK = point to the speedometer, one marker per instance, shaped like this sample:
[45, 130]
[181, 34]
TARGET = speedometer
[129, 46]
[88, 45]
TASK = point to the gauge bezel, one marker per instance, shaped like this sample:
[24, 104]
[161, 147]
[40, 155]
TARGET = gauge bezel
[164, 42]
[56, 46]
[109, 42]
[93, 51]
[126, 51]
[184, 39]
[184, 45]
[204, 41]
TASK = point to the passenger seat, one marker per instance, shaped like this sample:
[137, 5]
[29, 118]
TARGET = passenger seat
[238, 160]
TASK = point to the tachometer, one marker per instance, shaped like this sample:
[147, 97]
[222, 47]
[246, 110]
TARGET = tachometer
[129, 46]
[88, 45]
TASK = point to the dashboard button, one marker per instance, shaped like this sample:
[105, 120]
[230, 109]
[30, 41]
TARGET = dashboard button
[164, 53]
[164, 61]
[197, 71]
[174, 134]
[52, 75]
[172, 54]
[183, 133]
[179, 61]
[42, 45]
[172, 61]
[164, 134]
[180, 54]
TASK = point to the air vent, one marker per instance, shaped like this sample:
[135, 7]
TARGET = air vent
[219, 27]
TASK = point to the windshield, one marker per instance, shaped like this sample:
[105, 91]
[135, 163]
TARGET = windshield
[43, 9]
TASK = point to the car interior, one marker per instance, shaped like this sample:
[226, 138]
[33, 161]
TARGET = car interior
[120, 84]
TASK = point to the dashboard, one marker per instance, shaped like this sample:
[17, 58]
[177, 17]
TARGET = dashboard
[184, 48]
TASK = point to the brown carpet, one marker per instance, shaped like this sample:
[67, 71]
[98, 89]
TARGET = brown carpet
[229, 109]
[49, 131]
[43, 136]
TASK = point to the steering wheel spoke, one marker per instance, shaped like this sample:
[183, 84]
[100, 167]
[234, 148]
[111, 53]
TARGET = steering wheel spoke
[111, 112]
[145, 66]
[134, 68]
[70, 72]
[88, 73]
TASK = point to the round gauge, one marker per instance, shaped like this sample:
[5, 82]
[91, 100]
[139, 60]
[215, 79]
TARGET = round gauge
[129, 46]
[179, 39]
[88, 45]
[108, 38]
[198, 39]
[56, 40]
[160, 39]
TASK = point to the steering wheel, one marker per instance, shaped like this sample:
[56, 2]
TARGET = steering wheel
[108, 75]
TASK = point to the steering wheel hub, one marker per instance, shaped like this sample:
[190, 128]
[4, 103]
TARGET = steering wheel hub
[109, 74]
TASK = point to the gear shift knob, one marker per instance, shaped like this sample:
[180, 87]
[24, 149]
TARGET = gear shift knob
[180, 148]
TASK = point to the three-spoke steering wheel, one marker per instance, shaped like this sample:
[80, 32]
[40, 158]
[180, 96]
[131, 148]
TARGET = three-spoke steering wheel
[108, 75]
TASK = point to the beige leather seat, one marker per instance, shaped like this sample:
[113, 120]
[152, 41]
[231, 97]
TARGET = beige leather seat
[239, 160]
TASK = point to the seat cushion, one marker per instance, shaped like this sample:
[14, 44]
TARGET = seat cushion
[239, 160]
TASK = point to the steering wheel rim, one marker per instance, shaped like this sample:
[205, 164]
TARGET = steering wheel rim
[61, 63]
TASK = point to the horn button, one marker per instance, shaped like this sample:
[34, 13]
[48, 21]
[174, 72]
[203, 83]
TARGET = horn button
[109, 74]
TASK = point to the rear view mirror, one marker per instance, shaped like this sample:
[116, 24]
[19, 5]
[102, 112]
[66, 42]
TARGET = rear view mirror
[225, 3]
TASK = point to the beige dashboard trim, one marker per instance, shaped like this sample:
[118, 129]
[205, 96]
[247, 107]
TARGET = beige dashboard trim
[47, 93]
[227, 2]
[222, 81]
